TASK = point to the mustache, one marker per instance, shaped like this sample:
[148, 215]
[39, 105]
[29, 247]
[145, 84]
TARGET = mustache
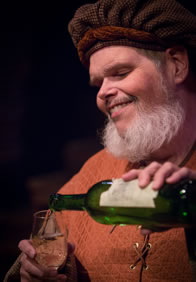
[116, 101]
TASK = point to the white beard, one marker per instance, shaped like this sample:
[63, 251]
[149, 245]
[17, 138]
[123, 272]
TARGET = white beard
[147, 133]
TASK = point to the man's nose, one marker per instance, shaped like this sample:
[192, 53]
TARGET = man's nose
[106, 90]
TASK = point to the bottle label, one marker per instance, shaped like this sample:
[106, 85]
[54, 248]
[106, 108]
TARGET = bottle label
[128, 194]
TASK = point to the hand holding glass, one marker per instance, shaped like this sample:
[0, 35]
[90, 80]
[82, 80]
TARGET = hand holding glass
[49, 239]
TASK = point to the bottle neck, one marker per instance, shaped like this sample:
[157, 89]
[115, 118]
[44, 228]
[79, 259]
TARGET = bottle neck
[58, 202]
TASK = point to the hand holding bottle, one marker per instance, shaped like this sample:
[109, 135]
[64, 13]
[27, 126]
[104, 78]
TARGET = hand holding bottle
[116, 201]
[158, 174]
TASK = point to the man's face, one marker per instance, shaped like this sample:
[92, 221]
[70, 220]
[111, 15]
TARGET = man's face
[127, 80]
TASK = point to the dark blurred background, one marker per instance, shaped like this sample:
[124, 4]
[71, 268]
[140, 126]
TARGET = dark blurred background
[48, 114]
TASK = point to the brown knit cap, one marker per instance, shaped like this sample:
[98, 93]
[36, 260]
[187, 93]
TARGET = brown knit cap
[151, 24]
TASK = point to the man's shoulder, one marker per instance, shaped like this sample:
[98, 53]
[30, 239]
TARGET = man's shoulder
[100, 166]
[103, 159]
[103, 154]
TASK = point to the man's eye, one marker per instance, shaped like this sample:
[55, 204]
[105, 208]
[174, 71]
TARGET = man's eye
[121, 75]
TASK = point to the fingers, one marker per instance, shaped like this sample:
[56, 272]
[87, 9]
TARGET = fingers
[144, 175]
[31, 271]
[181, 173]
[159, 174]
[25, 277]
[130, 175]
[162, 173]
[26, 247]
[34, 268]
[148, 173]
[37, 274]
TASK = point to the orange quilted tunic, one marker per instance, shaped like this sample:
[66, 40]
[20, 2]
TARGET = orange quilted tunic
[105, 257]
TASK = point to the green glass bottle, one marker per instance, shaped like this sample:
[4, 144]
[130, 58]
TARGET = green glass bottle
[118, 202]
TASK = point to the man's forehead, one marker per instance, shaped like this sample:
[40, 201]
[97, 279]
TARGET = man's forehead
[109, 57]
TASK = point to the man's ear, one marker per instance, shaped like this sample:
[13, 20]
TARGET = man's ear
[179, 63]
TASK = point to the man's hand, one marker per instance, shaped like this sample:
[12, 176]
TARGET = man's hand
[158, 174]
[31, 271]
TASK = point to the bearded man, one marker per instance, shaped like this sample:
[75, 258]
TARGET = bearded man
[140, 56]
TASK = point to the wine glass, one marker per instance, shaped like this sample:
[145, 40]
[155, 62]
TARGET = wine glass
[49, 238]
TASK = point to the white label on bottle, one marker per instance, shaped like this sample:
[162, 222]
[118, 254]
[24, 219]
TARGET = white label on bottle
[128, 194]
